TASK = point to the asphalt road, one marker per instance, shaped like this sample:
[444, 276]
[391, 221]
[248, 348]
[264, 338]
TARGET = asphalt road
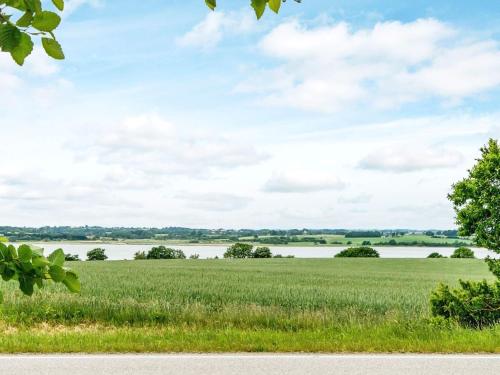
[250, 364]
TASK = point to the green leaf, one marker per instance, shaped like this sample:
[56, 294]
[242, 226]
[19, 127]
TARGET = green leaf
[275, 5]
[10, 36]
[72, 283]
[8, 274]
[46, 21]
[12, 252]
[36, 250]
[53, 48]
[211, 4]
[34, 5]
[25, 253]
[59, 4]
[57, 273]
[259, 6]
[4, 252]
[57, 257]
[25, 20]
[26, 284]
[40, 262]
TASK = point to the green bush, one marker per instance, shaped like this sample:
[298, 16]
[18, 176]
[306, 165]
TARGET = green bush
[239, 250]
[262, 252]
[358, 252]
[71, 258]
[194, 256]
[475, 304]
[140, 255]
[97, 254]
[162, 252]
[463, 252]
[435, 255]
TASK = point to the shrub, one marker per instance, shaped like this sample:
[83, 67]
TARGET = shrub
[435, 255]
[475, 304]
[358, 252]
[366, 243]
[140, 255]
[71, 258]
[97, 254]
[262, 252]
[162, 252]
[239, 250]
[194, 256]
[463, 252]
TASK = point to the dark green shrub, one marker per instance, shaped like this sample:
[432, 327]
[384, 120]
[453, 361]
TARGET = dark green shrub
[262, 252]
[366, 243]
[358, 252]
[97, 254]
[140, 255]
[475, 304]
[239, 250]
[162, 252]
[194, 256]
[71, 258]
[463, 252]
[435, 255]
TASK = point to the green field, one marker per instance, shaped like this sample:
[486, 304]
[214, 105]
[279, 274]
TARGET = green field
[312, 305]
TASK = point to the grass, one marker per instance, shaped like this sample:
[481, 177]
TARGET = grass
[314, 305]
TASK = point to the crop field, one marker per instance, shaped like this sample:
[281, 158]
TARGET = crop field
[284, 305]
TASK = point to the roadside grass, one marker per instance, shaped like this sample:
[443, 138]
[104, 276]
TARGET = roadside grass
[310, 305]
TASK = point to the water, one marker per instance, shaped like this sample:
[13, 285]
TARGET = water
[126, 251]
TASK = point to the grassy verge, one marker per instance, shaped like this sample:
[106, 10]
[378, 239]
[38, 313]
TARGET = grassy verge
[285, 305]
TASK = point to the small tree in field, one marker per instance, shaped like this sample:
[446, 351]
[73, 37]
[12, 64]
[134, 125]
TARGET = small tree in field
[463, 252]
[358, 252]
[476, 200]
[162, 252]
[262, 252]
[239, 250]
[435, 255]
[97, 254]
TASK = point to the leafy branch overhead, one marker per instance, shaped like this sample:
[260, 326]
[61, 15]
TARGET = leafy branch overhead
[21, 20]
[259, 6]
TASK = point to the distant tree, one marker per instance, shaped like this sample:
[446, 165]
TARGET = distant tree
[239, 250]
[429, 233]
[140, 255]
[366, 243]
[358, 252]
[162, 252]
[71, 258]
[97, 254]
[463, 252]
[194, 256]
[262, 252]
[392, 242]
[435, 255]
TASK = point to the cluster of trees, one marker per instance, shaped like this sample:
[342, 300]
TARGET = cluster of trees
[363, 234]
[476, 200]
[244, 250]
[358, 252]
[393, 242]
[461, 252]
[162, 252]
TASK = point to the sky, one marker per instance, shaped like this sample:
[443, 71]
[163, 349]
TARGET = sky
[332, 114]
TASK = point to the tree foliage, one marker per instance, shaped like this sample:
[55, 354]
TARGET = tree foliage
[162, 252]
[476, 199]
[21, 20]
[239, 251]
[463, 252]
[435, 255]
[259, 6]
[262, 252]
[358, 252]
[97, 254]
[29, 267]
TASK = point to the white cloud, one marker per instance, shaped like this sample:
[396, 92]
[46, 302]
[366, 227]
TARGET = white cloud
[209, 32]
[329, 68]
[151, 145]
[302, 182]
[355, 199]
[72, 6]
[214, 201]
[410, 158]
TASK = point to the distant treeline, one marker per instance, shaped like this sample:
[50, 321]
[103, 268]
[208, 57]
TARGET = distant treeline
[268, 236]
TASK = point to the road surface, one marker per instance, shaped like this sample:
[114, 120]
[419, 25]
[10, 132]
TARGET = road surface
[250, 364]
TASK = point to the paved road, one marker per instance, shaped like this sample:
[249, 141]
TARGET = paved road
[249, 364]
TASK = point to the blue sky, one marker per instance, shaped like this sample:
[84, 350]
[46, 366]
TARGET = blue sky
[331, 114]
